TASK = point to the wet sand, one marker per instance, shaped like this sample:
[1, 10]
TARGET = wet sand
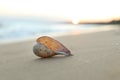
[96, 57]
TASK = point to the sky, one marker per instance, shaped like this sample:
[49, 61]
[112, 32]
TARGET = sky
[72, 9]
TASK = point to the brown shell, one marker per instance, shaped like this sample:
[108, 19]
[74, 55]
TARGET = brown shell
[42, 51]
[50, 47]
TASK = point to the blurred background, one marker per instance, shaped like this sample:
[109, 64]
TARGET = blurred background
[23, 19]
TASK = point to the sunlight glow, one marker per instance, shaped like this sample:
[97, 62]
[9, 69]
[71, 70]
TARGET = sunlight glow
[75, 21]
[72, 9]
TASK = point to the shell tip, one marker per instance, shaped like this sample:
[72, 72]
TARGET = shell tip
[63, 53]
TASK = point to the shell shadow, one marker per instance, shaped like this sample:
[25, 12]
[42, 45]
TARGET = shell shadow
[55, 58]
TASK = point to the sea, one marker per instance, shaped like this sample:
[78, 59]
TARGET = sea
[14, 29]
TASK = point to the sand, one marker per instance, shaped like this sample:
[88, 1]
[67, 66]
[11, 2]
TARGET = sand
[96, 57]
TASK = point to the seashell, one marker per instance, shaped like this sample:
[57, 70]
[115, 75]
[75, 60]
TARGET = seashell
[47, 47]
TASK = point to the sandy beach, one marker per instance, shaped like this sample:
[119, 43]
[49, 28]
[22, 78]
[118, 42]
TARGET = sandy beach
[96, 57]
